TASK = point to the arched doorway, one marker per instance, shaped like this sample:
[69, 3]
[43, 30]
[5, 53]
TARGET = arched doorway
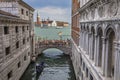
[100, 34]
[110, 52]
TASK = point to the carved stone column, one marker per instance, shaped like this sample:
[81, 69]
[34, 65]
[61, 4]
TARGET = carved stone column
[117, 62]
[95, 50]
[118, 65]
[87, 46]
[84, 40]
[103, 55]
[90, 45]
[84, 36]
[81, 40]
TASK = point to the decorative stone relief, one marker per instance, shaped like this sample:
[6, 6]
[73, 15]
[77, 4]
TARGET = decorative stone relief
[83, 16]
[118, 8]
[104, 1]
[92, 13]
[113, 8]
[87, 14]
[101, 11]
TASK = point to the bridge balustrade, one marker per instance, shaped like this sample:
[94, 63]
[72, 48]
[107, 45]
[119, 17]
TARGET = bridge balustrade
[64, 45]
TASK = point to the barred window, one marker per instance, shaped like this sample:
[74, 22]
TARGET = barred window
[16, 29]
[19, 64]
[17, 44]
[6, 30]
[22, 11]
[9, 75]
[7, 50]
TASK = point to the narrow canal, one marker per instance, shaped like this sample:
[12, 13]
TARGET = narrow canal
[57, 67]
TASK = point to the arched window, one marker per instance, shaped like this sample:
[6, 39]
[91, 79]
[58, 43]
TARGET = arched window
[110, 52]
[100, 34]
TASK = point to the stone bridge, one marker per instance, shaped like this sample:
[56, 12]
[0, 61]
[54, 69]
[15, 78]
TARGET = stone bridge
[63, 45]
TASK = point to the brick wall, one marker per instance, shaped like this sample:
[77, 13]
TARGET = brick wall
[75, 21]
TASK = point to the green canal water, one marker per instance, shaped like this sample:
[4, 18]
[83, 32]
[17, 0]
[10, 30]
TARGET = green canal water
[58, 66]
[52, 33]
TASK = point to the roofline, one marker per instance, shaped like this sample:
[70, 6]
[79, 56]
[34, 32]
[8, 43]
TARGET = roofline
[6, 13]
[12, 18]
[26, 5]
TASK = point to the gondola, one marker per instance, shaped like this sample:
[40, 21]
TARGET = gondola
[39, 68]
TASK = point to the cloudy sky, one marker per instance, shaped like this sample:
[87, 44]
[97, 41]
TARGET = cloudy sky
[54, 9]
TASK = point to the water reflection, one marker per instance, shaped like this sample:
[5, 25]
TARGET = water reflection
[53, 53]
[58, 67]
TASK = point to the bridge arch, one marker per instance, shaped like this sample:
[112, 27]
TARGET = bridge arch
[52, 48]
[64, 46]
[52, 52]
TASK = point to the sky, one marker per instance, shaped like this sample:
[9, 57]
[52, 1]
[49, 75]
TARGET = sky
[59, 10]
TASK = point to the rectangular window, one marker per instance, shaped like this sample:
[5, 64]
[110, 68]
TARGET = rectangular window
[86, 72]
[26, 13]
[28, 53]
[17, 44]
[19, 64]
[7, 50]
[16, 29]
[31, 16]
[83, 66]
[91, 77]
[23, 28]
[6, 30]
[25, 58]
[24, 41]
[27, 28]
[9, 75]
[22, 11]
[81, 61]
[28, 39]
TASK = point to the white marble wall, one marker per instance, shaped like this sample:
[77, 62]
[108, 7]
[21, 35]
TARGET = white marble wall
[83, 2]
[101, 10]
[104, 15]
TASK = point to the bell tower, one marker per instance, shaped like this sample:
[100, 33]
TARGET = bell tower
[38, 18]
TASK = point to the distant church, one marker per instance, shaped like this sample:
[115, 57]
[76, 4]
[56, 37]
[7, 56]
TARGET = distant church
[49, 23]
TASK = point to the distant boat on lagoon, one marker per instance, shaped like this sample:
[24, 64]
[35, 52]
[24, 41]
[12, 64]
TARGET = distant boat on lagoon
[59, 27]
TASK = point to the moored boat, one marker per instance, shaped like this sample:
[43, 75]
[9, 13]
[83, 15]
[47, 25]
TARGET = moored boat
[39, 68]
[59, 27]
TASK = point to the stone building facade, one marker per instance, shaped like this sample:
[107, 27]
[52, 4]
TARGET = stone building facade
[97, 56]
[16, 40]
[75, 21]
[75, 34]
